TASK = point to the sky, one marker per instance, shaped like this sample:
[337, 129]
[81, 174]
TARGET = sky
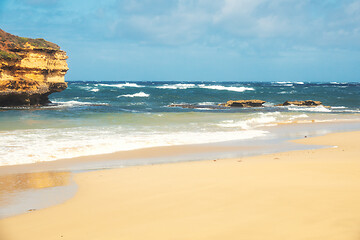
[196, 40]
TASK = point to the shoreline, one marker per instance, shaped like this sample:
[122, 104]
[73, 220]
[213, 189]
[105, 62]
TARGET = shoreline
[47, 143]
[45, 179]
[298, 130]
[305, 194]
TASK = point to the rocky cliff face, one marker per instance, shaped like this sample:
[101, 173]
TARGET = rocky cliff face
[30, 70]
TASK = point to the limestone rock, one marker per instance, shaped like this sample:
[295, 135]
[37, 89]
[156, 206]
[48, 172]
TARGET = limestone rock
[30, 70]
[244, 103]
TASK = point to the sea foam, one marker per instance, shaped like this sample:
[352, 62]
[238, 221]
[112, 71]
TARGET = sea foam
[213, 87]
[231, 88]
[52, 144]
[139, 94]
[177, 86]
[319, 108]
[256, 120]
[121, 85]
[61, 104]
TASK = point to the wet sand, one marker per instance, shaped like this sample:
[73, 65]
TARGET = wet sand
[24, 192]
[92, 162]
[307, 194]
[278, 141]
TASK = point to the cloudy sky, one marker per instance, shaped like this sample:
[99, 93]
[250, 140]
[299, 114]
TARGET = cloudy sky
[214, 40]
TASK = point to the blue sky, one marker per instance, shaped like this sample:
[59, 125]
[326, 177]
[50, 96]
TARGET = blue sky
[214, 40]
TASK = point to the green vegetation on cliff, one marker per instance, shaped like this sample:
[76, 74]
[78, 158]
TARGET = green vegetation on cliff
[10, 44]
[8, 55]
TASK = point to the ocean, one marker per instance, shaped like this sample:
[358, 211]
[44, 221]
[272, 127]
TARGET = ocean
[102, 117]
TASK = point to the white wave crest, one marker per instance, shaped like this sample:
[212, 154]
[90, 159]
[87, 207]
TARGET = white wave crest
[206, 103]
[89, 88]
[284, 84]
[75, 103]
[177, 86]
[298, 116]
[219, 87]
[121, 85]
[258, 120]
[285, 92]
[214, 87]
[53, 144]
[139, 94]
[338, 107]
[319, 108]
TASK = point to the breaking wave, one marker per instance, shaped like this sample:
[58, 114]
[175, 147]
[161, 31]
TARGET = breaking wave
[258, 120]
[319, 108]
[74, 142]
[121, 85]
[177, 86]
[220, 87]
[139, 94]
[60, 104]
[213, 87]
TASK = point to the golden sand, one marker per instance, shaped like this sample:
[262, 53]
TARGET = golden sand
[311, 194]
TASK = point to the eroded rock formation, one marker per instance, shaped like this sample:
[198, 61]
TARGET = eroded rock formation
[248, 104]
[196, 106]
[307, 103]
[244, 103]
[30, 70]
[231, 103]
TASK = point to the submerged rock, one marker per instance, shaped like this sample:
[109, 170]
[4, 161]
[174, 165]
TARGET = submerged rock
[307, 103]
[193, 106]
[30, 70]
[238, 103]
[244, 103]
[182, 105]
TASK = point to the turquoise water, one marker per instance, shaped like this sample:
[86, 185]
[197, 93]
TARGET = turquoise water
[101, 117]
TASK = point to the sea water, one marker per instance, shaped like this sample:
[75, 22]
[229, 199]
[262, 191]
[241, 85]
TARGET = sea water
[102, 117]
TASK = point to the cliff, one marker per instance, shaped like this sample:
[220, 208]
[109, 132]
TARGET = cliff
[30, 70]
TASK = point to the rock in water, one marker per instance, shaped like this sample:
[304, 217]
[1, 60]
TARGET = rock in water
[30, 70]
[308, 103]
[244, 103]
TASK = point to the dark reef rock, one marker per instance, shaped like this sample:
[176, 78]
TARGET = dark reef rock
[27, 93]
[307, 103]
[228, 104]
[182, 105]
[194, 106]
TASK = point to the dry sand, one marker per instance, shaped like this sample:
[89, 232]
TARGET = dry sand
[312, 194]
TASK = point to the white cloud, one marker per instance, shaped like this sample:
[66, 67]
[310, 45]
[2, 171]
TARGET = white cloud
[237, 8]
[41, 2]
[353, 8]
[240, 24]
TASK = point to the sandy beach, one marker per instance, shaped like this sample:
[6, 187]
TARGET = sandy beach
[308, 194]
